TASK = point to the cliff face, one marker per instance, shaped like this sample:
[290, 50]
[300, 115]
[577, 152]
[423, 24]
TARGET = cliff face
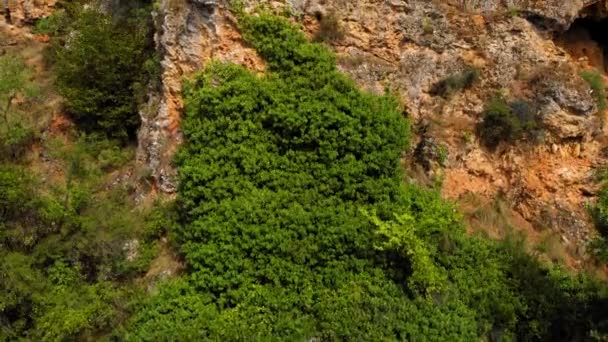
[409, 46]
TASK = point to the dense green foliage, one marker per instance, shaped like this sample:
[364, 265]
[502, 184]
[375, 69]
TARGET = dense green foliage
[506, 122]
[103, 63]
[63, 232]
[60, 248]
[295, 223]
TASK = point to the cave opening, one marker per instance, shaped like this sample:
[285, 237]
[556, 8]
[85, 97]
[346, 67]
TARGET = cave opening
[587, 38]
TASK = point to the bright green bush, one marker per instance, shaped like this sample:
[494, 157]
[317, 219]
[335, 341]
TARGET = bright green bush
[596, 82]
[276, 175]
[296, 225]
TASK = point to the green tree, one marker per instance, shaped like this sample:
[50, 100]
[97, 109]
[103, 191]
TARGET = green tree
[14, 81]
[102, 68]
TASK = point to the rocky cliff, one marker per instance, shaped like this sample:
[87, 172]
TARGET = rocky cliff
[519, 48]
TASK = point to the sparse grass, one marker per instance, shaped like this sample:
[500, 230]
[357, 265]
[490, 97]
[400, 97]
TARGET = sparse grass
[513, 11]
[598, 87]
[551, 247]
[455, 83]
[485, 216]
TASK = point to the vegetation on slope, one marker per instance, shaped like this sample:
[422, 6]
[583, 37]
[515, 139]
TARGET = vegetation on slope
[292, 216]
[295, 222]
[64, 219]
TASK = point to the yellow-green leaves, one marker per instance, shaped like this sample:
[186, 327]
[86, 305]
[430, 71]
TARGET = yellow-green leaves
[400, 235]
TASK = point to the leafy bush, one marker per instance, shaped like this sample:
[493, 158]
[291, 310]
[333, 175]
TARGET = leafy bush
[102, 64]
[596, 82]
[455, 83]
[506, 122]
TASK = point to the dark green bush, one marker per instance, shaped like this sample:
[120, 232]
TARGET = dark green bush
[506, 122]
[102, 65]
[455, 83]
[79, 232]
[599, 249]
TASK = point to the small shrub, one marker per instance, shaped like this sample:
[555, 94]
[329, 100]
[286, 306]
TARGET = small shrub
[330, 30]
[599, 249]
[108, 153]
[513, 11]
[599, 212]
[455, 83]
[506, 122]
[596, 82]
[427, 26]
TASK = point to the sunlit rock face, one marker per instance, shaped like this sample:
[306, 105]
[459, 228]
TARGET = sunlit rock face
[20, 12]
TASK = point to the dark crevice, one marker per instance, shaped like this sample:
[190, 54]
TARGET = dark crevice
[542, 22]
[587, 38]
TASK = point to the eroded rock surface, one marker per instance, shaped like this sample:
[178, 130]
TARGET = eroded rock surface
[27, 11]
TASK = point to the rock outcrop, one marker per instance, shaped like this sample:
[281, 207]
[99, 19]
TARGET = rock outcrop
[21, 12]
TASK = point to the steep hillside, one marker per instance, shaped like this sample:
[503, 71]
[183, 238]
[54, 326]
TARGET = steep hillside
[304, 169]
[522, 53]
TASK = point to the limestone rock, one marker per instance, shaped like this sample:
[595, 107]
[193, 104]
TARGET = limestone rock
[27, 11]
[561, 123]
